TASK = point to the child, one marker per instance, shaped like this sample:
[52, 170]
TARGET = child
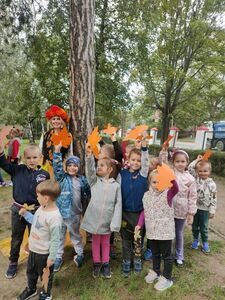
[206, 202]
[75, 189]
[133, 186]
[158, 216]
[43, 239]
[103, 214]
[25, 179]
[14, 146]
[184, 201]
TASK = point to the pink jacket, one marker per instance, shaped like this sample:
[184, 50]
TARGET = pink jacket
[185, 200]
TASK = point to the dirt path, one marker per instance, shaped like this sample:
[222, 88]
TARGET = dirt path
[214, 263]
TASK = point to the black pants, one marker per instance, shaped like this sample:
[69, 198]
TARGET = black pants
[130, 248]
[162, 249]
[19, 225]
[35, 265]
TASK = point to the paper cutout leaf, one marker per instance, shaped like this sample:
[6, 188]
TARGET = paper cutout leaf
[4, 132]
[164, 177]
[63, 136]
[93, 139]
[29, 207]
[45, 278]
[166, 143]
[137, 234]
[207, 154]
[136, 132]
[110, 129]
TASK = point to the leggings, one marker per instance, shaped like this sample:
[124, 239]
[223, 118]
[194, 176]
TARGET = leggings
[100, 248]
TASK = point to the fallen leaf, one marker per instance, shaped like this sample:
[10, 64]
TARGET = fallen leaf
[207, 154]
[136, 132]
[164, 177]
[110, 129]
[93, 139]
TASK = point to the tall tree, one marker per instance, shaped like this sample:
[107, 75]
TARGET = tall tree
[82, 71]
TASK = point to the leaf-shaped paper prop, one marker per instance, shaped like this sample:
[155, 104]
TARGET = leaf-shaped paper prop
[164, 177]
[93, 139]
[207, 154]
[4, 132]
[137, 234]
[166, 143]
[45, 277]
[28, 207]
[110, 129]
[63, 136]
[136, 132]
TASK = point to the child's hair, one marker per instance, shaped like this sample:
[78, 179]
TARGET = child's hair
[109, 150]
[203, 163]
[151, 174]
[129, 147]
[178, 152]
[114, 164]
[31, 147]
[134, 151]
[49, 188]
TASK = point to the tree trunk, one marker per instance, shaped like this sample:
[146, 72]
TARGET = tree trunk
[166, 117]
[82, 73]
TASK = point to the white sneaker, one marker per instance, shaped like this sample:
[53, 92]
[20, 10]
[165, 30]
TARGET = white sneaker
[163, 284]
[151, 277]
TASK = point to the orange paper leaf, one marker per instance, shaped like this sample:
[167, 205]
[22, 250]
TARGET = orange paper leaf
[110, 129]
[63, 136]
[136, 132]
[166, 143]
[45, 278]
[164, 177]
[93, 139]
[207, 154]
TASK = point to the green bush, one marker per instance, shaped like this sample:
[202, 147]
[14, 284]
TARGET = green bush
[217, 159]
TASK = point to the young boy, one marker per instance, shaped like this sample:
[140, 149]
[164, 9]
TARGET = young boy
[206, 202]
[25, 178]
[75, 192]
[43, 240]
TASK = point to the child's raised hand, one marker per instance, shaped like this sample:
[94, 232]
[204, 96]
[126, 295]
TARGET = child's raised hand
[137, 144]
[143, 143]
[50, 262]
[22, 211]
[199, 157]
[137, 228]
[58, 147]
[88, 150]
[113, 137]
[190, 219]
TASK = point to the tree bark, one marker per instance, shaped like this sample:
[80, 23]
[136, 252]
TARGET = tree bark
[82, 73]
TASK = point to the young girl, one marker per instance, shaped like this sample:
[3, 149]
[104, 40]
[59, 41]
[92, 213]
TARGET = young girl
[206, 203]
[158, 216]
[133, 186]
[75, 190]
[103, 214]
[184, 202]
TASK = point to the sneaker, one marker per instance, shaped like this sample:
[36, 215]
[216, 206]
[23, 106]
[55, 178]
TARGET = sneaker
[163, 284]
[147, 254]
[57, 264]
[126, 264]
[44, 296]
[96, 270]
[151, 277]
[205, 248]
[11, 271]
[195, 245]
[78, 260]
[105, 270]
[112, 252]
[137, 265]
[27, 294]
[179, 263]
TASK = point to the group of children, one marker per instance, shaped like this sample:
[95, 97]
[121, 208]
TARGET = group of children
[124, 197]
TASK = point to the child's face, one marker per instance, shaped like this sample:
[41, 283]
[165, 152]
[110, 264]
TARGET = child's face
[72, 169]
[43, 200]
[56, 122]
[102, 169]
[32, 158]
[203, 171]
[134, 162]
[153, 183]
[180, 162]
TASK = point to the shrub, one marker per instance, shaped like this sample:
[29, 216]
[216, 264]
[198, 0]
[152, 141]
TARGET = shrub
[217, 159]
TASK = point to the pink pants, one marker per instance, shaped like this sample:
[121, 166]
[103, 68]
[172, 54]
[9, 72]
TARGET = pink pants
[100, 245]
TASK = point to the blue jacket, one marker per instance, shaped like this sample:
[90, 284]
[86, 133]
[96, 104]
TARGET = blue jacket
[134, 185]
[64, 201]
